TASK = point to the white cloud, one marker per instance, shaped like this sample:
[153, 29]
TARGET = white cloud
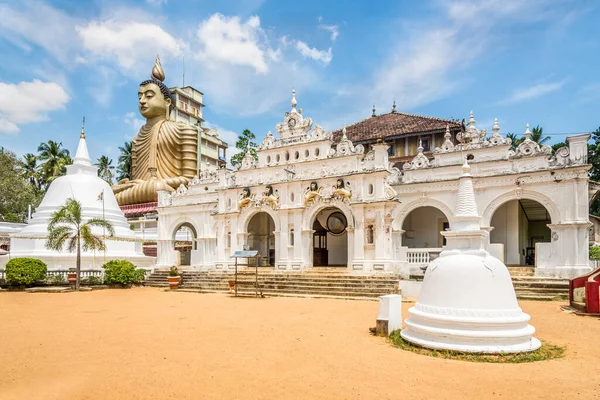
[532, 92]
[41, 25]
[311, 52]
[333, 29]
[29, 102]
[227, 39]
[133, 121]
[129, 42]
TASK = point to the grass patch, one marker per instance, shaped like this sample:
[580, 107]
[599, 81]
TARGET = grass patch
[548, 351]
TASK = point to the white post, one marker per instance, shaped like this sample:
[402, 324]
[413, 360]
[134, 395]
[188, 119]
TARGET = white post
[390, 314]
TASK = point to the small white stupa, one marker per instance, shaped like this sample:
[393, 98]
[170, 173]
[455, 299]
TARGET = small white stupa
[98, 201]
[467, 301]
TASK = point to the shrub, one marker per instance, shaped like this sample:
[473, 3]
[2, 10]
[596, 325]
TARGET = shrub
[92, 280]
[173, 271]
[25, 271]
[58, 279]
[595, 253]
[119, 271]
[139, 275]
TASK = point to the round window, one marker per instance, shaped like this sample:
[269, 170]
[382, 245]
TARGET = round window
[317, 151]
[336, 223]
[268, 159]
[292, 197]
[287, 156]
[370, 188]
[296, 155]
[277, 158]
[306, 153]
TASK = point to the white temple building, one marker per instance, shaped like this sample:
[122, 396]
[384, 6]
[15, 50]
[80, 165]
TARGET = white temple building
[321, 199]
[97, 200]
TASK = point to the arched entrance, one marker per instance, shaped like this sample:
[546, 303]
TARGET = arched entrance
[330, 238]
[184, 242]
[422, 227]
[261, 237]
[518, 226]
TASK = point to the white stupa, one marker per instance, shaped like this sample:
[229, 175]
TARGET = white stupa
[467, 301]
[82, 184]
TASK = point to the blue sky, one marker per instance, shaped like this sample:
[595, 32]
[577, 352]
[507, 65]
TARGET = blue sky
[522, 61]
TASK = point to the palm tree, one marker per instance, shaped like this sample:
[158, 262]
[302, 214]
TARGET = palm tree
[516, 141]
[31, 169]
[105, 169]
[67, 227]
[124, 168]
[537, 135]
[55, 160]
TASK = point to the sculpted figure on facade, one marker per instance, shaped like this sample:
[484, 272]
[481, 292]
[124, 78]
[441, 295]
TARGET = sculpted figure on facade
[164, 153]
[340, 191]
[270, 198]
[312, 193]
[246, 198]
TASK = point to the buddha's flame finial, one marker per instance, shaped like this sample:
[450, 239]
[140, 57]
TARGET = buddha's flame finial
[82, 136]
[157, 72]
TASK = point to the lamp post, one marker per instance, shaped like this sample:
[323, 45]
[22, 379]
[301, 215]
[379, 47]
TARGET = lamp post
[199, 161]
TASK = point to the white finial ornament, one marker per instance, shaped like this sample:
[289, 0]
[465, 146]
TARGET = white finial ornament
[294, 102]
[496, 127]
[527, 133]
[394, 107]
[373, 115]
[471, 120]
[420, 148]
[344, 137]
[447, 135]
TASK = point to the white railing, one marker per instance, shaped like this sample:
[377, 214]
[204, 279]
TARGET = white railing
[421, 256]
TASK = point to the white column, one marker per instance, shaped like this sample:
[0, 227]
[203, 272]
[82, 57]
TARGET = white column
[513, 255]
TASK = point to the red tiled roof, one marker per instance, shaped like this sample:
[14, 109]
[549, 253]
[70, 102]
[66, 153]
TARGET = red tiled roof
[138, 209]
[393, 124]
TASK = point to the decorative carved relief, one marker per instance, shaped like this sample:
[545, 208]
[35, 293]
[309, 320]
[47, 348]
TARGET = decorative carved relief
[245, 198]
[180, 191]
[420, 161]
[530, 148]
[270, 198]
[345, 147]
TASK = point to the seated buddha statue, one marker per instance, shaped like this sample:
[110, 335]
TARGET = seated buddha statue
[164, 153]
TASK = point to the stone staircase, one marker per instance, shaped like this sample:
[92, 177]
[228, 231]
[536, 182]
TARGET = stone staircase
[324, 283]
[336, 283]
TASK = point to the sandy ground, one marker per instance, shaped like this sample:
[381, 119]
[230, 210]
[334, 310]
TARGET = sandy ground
[150, 344]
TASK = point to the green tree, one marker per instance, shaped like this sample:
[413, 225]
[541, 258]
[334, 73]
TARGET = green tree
[16, 194]
[105, 169]
[31, 170]
[245, 139]
[557, 146]
[516, 141]
[67, 227]
[594, 156]
[55, 160]
[124, 168]
[537, 135]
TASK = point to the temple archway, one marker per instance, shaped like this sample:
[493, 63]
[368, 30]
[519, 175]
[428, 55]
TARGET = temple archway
[518, 226]
[261, 237]
[422, 227]
[330, 238]
[184, 241]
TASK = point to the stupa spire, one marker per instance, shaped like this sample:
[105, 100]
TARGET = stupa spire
[294, 102]
[465, 210]
[82, 156]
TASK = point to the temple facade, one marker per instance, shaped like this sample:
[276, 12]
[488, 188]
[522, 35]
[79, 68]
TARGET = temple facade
[315, 199]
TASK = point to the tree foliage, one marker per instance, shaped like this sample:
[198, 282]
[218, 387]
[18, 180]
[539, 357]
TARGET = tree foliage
[245, 140]
[67, 228]
[124, 168]
[594, 156]
[16, 192]
[105, 169]
[55, 159]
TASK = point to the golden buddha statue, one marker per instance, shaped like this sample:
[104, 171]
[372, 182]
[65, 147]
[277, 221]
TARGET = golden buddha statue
[164, 153]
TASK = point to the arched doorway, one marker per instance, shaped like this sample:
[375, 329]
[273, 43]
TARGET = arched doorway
[422, 229]
[184, 241]
[518, 226]
[261, 237]
[330, 238]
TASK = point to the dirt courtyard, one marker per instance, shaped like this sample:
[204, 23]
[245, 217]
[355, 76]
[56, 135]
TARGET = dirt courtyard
[145, 343]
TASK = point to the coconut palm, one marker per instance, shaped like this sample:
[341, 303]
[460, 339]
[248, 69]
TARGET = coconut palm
[105, 169]
[537, 135]
[30, 166]
[124, 168]
[67, 227]
[516, 141]
[55, 160]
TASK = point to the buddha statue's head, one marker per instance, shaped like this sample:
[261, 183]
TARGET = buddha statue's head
[154, 96]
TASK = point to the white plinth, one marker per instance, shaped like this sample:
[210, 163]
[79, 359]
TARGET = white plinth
[390, 309]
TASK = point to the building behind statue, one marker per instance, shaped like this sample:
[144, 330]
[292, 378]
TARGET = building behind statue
[372, 198]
